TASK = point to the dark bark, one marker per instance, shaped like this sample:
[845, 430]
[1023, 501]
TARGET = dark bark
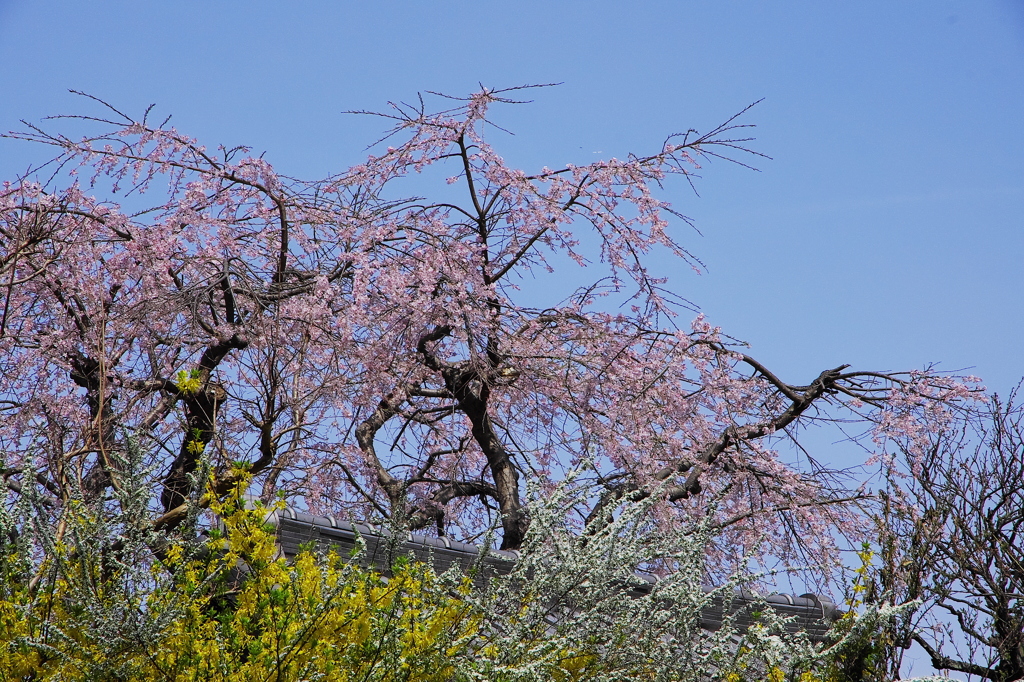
[730, 437]
[366, 432]
[954, 537]
[89, 373]
[431, 511]
[201, 408]
[471, 391]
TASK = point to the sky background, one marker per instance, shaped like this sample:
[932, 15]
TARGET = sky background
[884, 232]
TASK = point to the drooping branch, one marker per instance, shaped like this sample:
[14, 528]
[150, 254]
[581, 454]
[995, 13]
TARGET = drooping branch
[366, 432]
[339, 279]
[733, 435]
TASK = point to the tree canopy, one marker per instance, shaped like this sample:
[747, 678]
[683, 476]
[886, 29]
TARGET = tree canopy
[367, 353]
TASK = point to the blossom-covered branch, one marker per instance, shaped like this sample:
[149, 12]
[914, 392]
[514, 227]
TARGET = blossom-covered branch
[372, 355]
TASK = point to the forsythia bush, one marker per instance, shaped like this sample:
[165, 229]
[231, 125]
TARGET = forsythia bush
[235, 611]
[231, 612]
[317, 618]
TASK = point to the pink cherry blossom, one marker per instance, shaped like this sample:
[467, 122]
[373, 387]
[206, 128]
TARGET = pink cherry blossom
[372, 356]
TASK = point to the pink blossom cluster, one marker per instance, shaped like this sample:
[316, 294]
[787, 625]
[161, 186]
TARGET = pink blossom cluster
[372, 357]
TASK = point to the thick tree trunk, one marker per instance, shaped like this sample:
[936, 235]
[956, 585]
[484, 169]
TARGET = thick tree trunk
[472, 394]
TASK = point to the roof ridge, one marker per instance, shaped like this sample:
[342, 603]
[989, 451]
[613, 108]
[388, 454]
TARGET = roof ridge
[812, 613]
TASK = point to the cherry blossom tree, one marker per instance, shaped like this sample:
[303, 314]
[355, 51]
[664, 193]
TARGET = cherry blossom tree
[368, 353]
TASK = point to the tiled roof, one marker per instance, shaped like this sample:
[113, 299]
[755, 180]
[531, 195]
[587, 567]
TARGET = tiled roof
[811, 613]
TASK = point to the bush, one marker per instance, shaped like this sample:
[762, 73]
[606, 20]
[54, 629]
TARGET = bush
[87, 601]
[230, 611]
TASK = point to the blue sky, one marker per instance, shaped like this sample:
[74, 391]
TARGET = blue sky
[885, 232]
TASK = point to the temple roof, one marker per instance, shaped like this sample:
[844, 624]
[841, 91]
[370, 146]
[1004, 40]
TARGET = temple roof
[295, 529]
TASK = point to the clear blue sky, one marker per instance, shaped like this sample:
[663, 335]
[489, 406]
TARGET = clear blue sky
[886, 231]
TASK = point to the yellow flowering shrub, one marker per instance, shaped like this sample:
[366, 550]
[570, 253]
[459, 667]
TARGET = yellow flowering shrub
[188, 381]
[316, 618]
[17, 660]
[236, 611]
[239, 612]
